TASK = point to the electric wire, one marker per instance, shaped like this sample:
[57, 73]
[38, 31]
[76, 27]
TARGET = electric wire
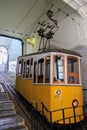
[31, 27]
[26, 15]
[51, 5]
[68, 15]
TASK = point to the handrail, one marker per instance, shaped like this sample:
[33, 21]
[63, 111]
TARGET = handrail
[44, 108]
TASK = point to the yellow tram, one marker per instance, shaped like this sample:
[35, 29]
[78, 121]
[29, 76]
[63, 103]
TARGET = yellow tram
[51, 81]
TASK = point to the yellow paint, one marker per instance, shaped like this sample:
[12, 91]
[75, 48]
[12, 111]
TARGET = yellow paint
[24, 87]
[64, 100]
[47, 95]
[68, 94]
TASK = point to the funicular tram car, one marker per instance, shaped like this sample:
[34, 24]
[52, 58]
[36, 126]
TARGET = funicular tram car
[51, 81]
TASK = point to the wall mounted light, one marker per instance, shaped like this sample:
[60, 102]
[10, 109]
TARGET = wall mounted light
[28, 39]
[31, 41]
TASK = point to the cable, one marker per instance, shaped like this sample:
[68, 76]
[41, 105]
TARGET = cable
[45, 10]
[26, 15]
[63, 7]
[42, 14]
[34, 24]
[68, 15]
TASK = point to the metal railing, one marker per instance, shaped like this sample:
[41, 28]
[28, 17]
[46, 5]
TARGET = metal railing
[55, 125]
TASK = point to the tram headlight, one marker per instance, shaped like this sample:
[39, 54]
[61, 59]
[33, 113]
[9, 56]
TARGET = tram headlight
[75, 103]
[58, 92]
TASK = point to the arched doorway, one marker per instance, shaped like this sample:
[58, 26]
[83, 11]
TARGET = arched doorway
[3, 59]
[10, 49]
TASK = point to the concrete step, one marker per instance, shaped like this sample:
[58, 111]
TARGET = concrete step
[11, 122]
[17, 128]
[3, 96]
[1, 88]
[5, 105]
[6, 113]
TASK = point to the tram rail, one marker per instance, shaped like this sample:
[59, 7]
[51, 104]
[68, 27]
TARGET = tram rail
[23, 108]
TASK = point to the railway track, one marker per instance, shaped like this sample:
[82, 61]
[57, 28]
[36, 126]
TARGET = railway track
[23, 108]
[33, 120]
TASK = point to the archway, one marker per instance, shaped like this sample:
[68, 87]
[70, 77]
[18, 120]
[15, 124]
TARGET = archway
[12, 47]
[3, 59]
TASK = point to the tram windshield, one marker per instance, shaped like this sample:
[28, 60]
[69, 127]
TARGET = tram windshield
[66, 71]
[73, 70]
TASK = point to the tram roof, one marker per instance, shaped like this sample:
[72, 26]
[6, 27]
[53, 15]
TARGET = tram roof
[56, 50]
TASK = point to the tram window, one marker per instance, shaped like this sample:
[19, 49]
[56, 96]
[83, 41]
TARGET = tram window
[22, 66]
[31, 68]
[35, 72]
[73, 70]
[47, 69]
[31, 61]
[72, 79]
[19, 68]
[40, 70]
[27, 68]
[59, 68]
[24, 69]
[72, 65]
